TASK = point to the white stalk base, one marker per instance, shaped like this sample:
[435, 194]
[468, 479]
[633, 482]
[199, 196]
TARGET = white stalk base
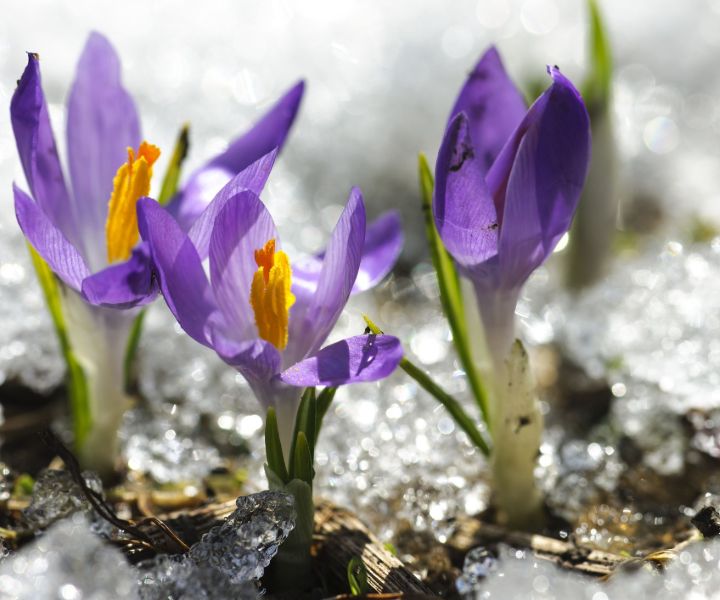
[516, 432]
[98, 337]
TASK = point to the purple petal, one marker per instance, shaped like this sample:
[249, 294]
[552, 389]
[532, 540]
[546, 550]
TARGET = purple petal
[38, 152]
[123, 285]
[305, 276]
[257, 361]
[252, 178]
[464, 211]
[383, 244]
[241, 227]
[312, 319]
[180, 272]
[267, 134]
[354, 360]
[543, 185]
[63, 258]
[493, 105]
[102, 123]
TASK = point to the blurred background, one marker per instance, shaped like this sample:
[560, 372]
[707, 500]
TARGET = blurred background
[381, 79]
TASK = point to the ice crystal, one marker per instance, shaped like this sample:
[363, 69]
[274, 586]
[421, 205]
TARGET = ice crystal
[68, 562]
[181, 578]
[229, 559]
[243, 546]
[56, 495]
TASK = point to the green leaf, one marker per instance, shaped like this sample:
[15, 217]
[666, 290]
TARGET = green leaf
[390, 548]
[305, 422]
[450, 294]
[79, 400]
[448, 279]
[172, 175]
[273, 447]
[77, 384]
[24, 485]
[129, 365]
[597, 85]
[308, 423]
[274, 480]
[302, 461]
[291, 569]
[304, 508]
[453, 406]
[324, 400]
[357, 577]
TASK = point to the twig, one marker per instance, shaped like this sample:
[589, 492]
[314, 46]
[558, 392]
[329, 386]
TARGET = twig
[473, 532]
[167, 530]
[98, 502]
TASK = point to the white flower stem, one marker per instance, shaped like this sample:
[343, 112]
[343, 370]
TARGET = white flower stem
[516, 423]
[517, 433]
[98, 339]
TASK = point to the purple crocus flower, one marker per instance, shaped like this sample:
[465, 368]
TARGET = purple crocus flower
[507, 182]
[67, 226]
[254, 312]
[87, 232]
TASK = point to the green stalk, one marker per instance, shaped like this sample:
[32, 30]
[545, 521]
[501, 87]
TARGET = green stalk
[595, 224]
[291, 570]
[130, 367]
[76, 381]
[596, 88]
[450, 293]
[451, 404]
[171, 180]
[273, 448]
[324, 399]
[305, 423]
[357, 577]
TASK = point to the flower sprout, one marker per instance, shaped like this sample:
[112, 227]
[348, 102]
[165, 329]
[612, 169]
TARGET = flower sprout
[260, 314]
[507, 183]
[86, 232]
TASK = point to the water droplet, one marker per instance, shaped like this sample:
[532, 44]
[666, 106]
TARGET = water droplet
[661, 135]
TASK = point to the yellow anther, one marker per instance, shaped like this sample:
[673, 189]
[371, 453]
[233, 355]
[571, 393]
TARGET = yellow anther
[265, 259]
[270, 295]
[132, 182]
